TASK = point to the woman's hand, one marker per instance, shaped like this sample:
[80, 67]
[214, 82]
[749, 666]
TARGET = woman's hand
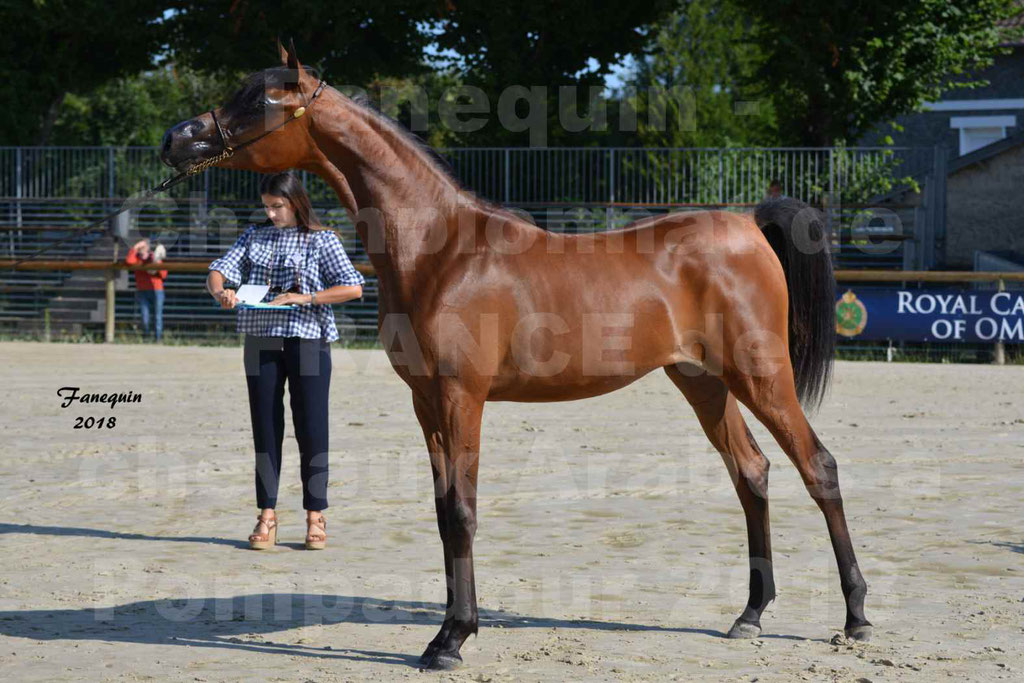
[291, 298]
[226, 298]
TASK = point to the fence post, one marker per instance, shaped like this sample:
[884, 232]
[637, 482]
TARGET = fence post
[937, 231]
[1000, 350]
[508, 176]
[110, 276]
[721, 178]
[19, 191]
[110, 178]
[611, 189]
[831, 190]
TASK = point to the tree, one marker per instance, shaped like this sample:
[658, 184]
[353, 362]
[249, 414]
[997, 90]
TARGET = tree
[55, 47]
[137, 109]
[415, 102]
[353, 41]
[542, 44]
[837, 69]
[693, 86]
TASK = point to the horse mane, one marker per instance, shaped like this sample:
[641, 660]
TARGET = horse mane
[252, 89]
[439, 161]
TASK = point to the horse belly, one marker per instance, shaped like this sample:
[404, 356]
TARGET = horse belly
[560, 387]
[596, 357]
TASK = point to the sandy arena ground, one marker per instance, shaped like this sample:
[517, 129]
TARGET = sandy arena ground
[611, 544]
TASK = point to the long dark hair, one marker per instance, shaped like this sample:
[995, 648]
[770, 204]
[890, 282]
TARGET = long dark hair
[807, 260]
[288, 185]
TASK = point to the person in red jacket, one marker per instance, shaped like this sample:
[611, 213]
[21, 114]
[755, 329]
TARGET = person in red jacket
[149, 286]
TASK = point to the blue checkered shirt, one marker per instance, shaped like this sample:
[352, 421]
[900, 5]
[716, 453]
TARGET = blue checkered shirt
[265, 254]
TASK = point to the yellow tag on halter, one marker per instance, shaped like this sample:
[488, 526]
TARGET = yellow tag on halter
[299, 112]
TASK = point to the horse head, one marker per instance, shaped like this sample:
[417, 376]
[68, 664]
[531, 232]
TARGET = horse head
[248, 131]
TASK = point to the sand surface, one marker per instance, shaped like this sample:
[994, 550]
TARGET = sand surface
[611, 544]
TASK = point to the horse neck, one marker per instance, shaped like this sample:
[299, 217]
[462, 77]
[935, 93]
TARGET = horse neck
[397, 196]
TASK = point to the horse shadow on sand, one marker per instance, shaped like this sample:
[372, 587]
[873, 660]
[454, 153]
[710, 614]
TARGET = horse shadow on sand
[247, 622]
[1012, 547]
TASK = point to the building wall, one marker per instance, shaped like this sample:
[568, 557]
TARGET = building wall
[984, 208]
[931, 128]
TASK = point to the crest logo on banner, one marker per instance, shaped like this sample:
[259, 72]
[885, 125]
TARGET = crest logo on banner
[851, 315]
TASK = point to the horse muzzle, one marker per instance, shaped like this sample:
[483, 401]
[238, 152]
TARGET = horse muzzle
[189, 143]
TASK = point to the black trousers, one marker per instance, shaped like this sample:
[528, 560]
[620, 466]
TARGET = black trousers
[306, 365]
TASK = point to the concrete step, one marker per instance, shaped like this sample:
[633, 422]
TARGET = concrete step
[74, 303]
[97, 279]
[67, 316]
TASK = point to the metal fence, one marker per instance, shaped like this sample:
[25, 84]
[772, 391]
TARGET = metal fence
[47, 191]
[510, 175]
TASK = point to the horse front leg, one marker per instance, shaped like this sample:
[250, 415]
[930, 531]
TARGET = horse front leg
[439, 475]
[455, 448]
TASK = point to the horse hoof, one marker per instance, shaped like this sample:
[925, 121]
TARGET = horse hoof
[744, 629]
[427, 655]
[444, 662]
[861, 633]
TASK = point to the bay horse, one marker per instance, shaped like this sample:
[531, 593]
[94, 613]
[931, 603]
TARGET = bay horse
[477, 304]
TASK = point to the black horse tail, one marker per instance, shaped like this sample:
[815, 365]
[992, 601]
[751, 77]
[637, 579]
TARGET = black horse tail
[797, 233]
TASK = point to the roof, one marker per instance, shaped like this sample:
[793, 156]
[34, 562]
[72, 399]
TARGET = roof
[986, 152]
[957, 164]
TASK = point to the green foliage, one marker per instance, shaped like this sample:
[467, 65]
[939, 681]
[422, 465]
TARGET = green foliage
[137, 109]
[54, 47]
[746, 72]
[416, 99]
[864, 175]
[354, 41]
[549, 44]
[837, 69]
[693, 87]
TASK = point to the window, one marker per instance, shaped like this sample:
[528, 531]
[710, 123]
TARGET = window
[978, 131]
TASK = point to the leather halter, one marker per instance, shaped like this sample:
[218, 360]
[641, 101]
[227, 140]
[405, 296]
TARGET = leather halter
[227, 150]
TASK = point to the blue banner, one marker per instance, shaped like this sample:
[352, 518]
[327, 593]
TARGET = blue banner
[934, 315]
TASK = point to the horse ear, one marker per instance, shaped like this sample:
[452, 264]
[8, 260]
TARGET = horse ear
[293, 60]
[282, 51]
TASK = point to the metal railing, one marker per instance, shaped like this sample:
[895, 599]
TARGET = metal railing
[356, 319]
[571, 189]
[507, 175]
[47, 191]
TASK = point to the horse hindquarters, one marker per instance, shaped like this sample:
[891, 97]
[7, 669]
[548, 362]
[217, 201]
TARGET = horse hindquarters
[772, 386]
[773, 401]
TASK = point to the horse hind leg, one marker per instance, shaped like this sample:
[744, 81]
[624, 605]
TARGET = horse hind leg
[724, 426]
[773, 400]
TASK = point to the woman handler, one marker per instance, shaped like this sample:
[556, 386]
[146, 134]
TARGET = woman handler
[304, 264]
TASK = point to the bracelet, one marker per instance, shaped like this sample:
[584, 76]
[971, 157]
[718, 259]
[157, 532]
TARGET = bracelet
[312, 298]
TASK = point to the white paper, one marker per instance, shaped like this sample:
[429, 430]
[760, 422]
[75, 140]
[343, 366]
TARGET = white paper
[251, 294]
